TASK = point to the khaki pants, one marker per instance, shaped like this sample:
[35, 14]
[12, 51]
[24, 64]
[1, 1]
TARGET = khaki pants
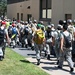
[38, 49]
[67, 54]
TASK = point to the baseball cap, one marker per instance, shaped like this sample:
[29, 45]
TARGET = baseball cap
[69, 21]
[3, 23]
[13, 25]
[52, 25]
[49, 26]
[59, 26]
[39, 25]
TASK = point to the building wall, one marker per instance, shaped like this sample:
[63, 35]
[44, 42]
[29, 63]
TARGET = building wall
[21, 7]
[69, 6]
[59, 9]
[35, 7]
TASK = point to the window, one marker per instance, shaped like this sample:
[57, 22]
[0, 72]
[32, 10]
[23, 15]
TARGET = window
[45, 9]
[17, 16]
[22, 16]
[68, 16]
[29, 17]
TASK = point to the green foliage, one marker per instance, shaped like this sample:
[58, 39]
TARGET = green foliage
[15, 64]
[3, 7]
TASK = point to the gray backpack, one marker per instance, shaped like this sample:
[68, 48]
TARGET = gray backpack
[68, 42]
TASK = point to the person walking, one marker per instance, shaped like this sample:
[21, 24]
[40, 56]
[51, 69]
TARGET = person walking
[48, 41]
[38, 39]
[3, 38]
[65, 48]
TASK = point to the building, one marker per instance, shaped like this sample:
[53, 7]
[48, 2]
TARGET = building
[44, 10]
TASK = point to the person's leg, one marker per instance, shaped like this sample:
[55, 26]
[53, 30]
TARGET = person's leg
[48, 51]
[26, 42]
[37, 54]
[57, 52]
[61, 60]
[69, 60]
[3, 49]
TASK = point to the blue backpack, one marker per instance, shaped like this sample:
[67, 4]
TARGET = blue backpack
[14, 31]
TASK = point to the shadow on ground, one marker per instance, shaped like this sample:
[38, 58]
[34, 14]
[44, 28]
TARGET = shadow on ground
[25, 61]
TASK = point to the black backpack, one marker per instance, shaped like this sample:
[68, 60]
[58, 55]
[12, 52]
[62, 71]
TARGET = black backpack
[68, 42]
[26, 30]
[2, 36]
[48, 35]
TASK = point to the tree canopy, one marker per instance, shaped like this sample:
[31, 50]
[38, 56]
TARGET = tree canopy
[3, 7]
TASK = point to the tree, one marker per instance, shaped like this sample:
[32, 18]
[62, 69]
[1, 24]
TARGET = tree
[3, 7]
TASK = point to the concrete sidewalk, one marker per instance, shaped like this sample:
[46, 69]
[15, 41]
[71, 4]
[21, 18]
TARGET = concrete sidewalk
[50, 66]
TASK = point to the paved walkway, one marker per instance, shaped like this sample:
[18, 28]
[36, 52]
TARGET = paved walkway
[47, 65]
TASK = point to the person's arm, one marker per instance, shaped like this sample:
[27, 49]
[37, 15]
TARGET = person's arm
[33, 36]
[18, 32]
[7, 37]
[61, 43]
[74, 34]
[8, 40]
[53, 38]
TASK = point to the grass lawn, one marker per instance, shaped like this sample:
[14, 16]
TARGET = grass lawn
[15, 64]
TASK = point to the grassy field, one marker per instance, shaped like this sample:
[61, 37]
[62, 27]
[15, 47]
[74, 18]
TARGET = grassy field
[15, 64]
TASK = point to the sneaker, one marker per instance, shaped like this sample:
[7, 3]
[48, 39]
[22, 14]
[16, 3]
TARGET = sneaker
[38, 63]
[72, 69]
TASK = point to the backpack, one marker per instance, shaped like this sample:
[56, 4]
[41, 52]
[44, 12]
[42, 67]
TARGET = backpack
[26, 31]
[14, 31]
[68, 42]
[71, 30]
[59, 34]
[2, 36]
[57, 41]
[48, 34]
[39, 37]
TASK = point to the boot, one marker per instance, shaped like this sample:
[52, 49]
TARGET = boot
[57, 62]
[38, 61]
[71, 69]
[26, 46]
[48, 57]
[45, 53]
[32, 47]
[59, 67]
[1, 58]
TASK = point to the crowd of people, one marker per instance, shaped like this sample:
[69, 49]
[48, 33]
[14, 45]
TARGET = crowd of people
[58, 42]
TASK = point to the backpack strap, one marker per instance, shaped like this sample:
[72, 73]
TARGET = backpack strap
[58, 34]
